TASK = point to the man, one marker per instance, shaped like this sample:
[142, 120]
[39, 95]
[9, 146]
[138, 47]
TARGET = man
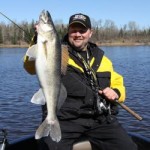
[92, 88]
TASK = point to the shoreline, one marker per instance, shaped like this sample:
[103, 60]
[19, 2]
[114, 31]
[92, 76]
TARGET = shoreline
[122, 44]
[98, 43]
[13, 46]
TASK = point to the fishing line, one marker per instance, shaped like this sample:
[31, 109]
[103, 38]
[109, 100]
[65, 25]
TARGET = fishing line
[17, 26]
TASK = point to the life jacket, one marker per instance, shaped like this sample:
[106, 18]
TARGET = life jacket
[81, 99]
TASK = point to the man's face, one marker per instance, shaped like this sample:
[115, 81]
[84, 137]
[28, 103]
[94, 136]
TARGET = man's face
[79, 35]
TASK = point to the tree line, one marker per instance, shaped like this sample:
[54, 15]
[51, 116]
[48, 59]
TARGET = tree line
[103, 32]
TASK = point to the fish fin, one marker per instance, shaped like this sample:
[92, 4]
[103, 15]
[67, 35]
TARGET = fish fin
[49, 127]
[64, 59]
[31, 52]
[55, 132]
[38, 98]
[43, 130]
[62, 96]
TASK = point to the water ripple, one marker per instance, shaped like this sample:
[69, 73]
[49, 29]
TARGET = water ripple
[21, 118]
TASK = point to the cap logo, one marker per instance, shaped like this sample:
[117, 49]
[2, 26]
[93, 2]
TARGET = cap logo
[81, 17]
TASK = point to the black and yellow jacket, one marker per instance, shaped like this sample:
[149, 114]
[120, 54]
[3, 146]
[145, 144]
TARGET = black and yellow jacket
[80, 96]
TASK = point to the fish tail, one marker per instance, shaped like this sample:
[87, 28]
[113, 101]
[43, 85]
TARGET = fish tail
[51, 128]
[55, 132]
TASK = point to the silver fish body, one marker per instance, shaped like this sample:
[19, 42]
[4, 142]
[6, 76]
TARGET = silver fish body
[48, 69]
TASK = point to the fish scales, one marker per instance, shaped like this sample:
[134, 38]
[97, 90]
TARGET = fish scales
[48, 69]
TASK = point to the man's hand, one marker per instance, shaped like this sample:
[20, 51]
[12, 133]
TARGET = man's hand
[109, 94]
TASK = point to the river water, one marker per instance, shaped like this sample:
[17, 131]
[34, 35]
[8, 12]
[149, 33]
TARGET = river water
[21, 118]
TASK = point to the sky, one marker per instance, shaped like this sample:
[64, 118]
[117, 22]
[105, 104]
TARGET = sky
[121, 12]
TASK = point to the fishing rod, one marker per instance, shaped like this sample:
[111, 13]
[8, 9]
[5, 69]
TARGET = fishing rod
[133, 113]
[129, 110]
[116, 101]
[28, 35]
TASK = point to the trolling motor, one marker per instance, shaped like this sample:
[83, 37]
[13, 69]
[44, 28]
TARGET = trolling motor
[3, 139]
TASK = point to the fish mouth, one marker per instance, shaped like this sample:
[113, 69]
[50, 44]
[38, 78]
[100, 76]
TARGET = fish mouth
[45, 17]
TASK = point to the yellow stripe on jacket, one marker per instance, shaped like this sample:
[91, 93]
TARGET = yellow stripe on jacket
[116, 81]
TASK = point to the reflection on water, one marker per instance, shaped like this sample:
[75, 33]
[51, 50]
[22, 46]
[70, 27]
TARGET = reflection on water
[21, 118]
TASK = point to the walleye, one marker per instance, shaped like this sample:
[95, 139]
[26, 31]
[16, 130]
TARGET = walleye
[48, 69]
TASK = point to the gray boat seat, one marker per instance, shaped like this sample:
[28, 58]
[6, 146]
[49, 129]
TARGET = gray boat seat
[82, 144]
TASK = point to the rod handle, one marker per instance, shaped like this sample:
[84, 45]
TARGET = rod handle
[130, 111]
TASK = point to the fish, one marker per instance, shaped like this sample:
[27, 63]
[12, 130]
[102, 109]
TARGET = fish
[48, 70]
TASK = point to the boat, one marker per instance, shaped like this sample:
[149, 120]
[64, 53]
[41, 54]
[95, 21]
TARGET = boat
[29, 143]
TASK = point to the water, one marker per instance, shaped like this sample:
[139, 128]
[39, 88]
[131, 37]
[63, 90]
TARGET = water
[134, 64]
[17, 114]
[21, 118]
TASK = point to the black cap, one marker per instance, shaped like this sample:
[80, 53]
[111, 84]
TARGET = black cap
[80, 18]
